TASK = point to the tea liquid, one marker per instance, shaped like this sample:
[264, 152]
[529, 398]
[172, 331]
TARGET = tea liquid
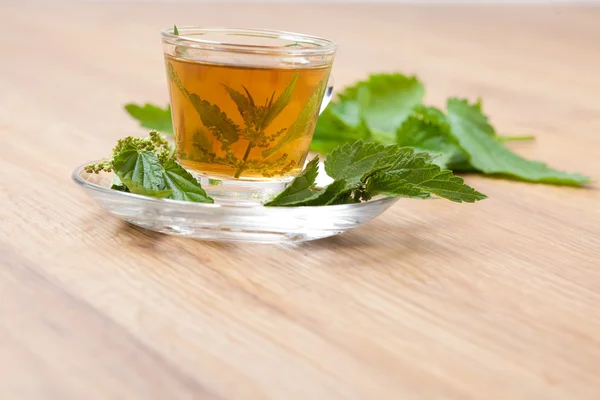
[243, 122]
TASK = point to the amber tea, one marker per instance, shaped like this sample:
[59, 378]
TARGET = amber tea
[243, 122]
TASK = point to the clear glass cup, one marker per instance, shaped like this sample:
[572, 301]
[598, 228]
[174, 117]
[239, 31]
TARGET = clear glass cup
[245, 104]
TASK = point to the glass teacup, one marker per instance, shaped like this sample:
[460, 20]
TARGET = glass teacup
[245, 105]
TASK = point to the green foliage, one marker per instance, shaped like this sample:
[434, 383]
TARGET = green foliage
[151, 116]
[462, 139]
[146, 166]
[364, 170]
[301, 188]
[384, 109]
[470, 128]
[302, 124]
[427, 130]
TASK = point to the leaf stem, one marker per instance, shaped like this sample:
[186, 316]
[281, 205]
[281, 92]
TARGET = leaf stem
[524, 138]
[240, 169]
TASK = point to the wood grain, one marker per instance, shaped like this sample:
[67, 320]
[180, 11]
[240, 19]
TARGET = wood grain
[497, 300]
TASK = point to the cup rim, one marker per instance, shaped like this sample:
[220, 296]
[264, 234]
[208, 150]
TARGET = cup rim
[322, 46]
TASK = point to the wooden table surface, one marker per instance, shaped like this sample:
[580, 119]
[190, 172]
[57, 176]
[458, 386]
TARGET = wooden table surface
[434, 300]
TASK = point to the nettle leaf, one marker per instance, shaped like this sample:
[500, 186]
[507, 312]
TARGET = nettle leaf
[211, 115]
[345, 195]
[136, 188]
[304, 122]
[244, 104]
[249, 97]
[347, 110]
[413, 175]
[182, 185]
[216, 120]
[337, 192]
[384, 101]
[427, 130]
[151, 116]
[301, 188]
[141, 168]
[330, 195]
[173, 76]
[352, 161]
[202, 140]
[149, 173]
[364, 170]
[371, 110]
[470, 128]
[331, 129]
[116, 184]
[274, 109]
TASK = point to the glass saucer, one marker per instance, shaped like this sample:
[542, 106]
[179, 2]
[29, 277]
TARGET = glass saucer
[243, 222]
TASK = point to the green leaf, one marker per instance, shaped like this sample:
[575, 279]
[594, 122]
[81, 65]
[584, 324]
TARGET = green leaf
[337, 192]
[282, 101]
[201, 139]
[136, 188]
[413, 175]
[303, 123]
[249, 97]
[427, 130]
[331, 131]
[301, 188]
[151, 116]
[347, 111]
[363, 170]
[118, 185]
[140, 168]
[370, 110]
[351, 161]
[143, 167]
[183, 185]
[384, 101]
[346, 194]
[470, 127]
[216, 120]
[244, 105]
[175, 30]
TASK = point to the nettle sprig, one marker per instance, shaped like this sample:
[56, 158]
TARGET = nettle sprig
[154, 143]
[147, 166]
[362, 171]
